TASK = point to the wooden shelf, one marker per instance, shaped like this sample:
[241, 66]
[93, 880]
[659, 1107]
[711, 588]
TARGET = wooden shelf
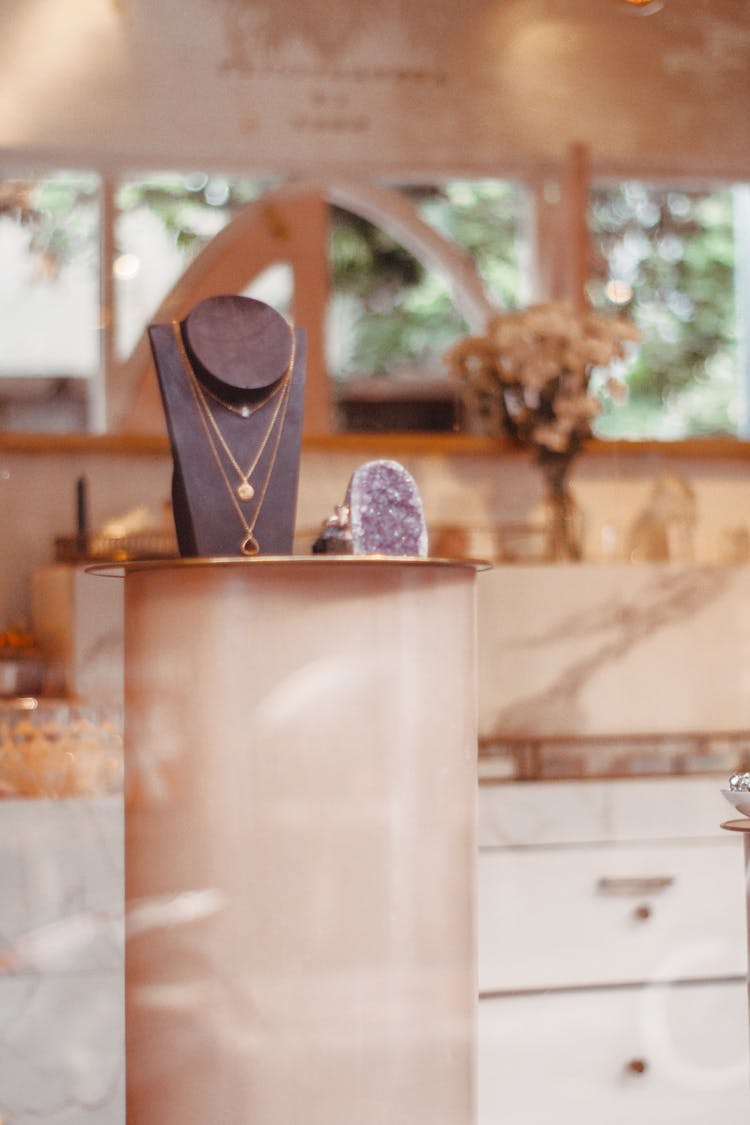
[442, 445]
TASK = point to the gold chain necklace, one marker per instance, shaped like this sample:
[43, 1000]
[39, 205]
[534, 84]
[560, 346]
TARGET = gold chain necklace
[245, 411]
[249, 545]
[245, 489]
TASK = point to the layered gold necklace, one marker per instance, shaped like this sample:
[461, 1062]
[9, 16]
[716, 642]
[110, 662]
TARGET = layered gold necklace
[244, 491]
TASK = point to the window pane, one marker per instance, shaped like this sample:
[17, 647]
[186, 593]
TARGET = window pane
[164, 220]
[275, 287]
[391, 317]
[49, 301]
[486, 219]
[665, 257]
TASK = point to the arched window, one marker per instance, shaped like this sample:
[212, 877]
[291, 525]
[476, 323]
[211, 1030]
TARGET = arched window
[380, 288]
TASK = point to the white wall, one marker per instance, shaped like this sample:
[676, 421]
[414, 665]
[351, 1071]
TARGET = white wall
[37, 497]
[390, 87]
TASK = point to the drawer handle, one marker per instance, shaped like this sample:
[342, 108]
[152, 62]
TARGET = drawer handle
[635, 886]
[637, 1066]
[642, 912]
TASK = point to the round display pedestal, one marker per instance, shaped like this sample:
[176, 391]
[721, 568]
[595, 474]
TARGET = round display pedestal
[300, 750]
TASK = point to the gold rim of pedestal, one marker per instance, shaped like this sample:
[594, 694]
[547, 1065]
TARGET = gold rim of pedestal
[130, 566]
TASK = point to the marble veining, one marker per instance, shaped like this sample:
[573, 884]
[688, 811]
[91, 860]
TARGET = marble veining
[61, 1049]
[61, 874]
[628, 649]
[61, 957]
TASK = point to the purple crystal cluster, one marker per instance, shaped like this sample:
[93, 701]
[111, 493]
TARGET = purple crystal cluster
[385, 511]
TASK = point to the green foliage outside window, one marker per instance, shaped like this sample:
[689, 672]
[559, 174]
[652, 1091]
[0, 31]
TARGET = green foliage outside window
[665, 257]
[191, 208]
[62, 214]
[390, 313]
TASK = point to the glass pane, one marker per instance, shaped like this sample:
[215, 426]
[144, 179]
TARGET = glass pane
[665, 257]
[486, 219]
[390, 317]
[164, 220]
[49, 302]
[275, 286]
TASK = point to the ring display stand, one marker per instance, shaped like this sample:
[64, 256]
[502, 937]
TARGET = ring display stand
[300, 784]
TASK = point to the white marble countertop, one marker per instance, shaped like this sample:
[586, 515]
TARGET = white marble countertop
[61, 957]
[613, 650]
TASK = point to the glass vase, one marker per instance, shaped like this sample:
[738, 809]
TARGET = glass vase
[564, 517]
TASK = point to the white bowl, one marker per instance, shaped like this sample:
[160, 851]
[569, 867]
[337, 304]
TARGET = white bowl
[740, 798]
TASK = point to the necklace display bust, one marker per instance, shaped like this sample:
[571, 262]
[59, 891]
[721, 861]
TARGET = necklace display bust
[231, 377]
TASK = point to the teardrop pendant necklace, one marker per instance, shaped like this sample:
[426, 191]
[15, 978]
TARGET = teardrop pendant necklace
[249, 545]
[245, 490]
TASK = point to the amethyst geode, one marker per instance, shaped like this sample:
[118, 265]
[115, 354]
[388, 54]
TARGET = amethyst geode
[381, 515]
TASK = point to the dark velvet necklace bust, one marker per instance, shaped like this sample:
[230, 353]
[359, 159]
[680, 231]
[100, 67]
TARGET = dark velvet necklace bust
[232, 401]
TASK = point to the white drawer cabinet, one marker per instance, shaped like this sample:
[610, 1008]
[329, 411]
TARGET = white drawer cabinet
[612, 949]
[635, 1056]
[604, 914]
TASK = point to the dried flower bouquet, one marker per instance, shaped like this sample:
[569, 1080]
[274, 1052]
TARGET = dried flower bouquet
[528, 376]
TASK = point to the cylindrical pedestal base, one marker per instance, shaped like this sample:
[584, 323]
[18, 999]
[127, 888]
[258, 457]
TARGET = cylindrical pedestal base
[300, 842]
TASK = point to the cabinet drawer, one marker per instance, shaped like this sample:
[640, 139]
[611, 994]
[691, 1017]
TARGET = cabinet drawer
[649, 1055]
[599, 914]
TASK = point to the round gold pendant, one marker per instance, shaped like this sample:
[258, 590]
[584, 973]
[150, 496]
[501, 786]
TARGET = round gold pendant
[246, 491]
[250, 545]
